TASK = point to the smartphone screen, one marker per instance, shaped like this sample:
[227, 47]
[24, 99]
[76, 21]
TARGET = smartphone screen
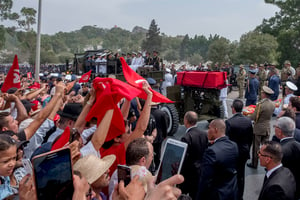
[124, 173]
[53, 175]
[172, 159]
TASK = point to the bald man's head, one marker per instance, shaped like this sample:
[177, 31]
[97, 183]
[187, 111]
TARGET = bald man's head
[190, 119]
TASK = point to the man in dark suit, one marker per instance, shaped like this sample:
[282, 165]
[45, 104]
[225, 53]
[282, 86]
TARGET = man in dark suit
[279, 182]
[197, 143]
[239, 129]
[218, 178]
[284, 130]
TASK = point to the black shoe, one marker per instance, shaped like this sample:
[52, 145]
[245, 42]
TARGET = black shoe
[251, 166]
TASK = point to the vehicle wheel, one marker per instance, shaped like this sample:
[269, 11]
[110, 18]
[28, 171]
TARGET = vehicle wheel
[173, 118]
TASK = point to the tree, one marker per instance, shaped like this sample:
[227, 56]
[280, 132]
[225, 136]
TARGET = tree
[220, 50]
[183, 51]
[285, 27]
[28, 18]
[257, 47]
[195, 59]
[153, 39]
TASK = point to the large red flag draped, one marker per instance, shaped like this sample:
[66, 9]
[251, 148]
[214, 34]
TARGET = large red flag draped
[109, 92]
[13, 77]
[137, 81]
[85, 77]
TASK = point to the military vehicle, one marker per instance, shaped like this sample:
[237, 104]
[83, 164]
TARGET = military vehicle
[200, 92]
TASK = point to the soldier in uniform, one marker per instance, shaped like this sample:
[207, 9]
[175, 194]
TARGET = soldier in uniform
[287, 72]
[252, 88]
[261, 117]
[241, 81]
[156, 61]
[262, 77]
[147, 59]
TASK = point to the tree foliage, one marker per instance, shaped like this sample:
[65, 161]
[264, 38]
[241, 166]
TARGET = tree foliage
[285, 26]
[219, 50]
[258, 47]
[28, 18]
[153, 39]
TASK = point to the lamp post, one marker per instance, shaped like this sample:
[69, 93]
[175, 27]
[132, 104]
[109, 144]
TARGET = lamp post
[38, 44]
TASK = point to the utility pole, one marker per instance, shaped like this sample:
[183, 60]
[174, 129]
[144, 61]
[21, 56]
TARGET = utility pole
[38, 44]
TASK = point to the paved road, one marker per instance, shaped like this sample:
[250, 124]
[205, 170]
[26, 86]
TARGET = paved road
[253, 177]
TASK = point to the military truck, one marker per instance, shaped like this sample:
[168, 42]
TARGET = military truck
[199, 92]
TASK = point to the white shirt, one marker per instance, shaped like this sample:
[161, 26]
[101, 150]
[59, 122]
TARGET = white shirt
[268, 174]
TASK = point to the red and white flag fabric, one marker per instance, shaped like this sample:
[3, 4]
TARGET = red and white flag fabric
[29, 75]
[136, 80]
[13, 77]
[85, 77]
[109, 92]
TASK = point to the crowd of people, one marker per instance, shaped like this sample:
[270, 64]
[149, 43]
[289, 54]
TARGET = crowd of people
[105, 124]
[109, 63]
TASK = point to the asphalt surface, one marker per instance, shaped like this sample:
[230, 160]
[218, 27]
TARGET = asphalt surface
[253, 177]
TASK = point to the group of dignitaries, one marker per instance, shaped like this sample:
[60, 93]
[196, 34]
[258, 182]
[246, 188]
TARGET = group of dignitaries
[214, 167]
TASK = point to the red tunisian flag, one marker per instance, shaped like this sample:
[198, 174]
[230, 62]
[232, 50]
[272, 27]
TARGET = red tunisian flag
[85, 77]
[137, 81]
[109, 92]
[29, 75]
[13, 77]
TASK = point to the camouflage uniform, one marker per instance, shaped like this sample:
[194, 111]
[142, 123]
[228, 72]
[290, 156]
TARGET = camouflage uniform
[262, 77]
[241, 81]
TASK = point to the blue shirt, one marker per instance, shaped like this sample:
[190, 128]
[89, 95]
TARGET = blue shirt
[251, 92]
[5, 189]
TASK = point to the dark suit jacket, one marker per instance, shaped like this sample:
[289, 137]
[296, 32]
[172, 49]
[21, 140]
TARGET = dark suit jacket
[239, 129]
[218, 178]
[197, 143]
[291, 159]
[280, 185]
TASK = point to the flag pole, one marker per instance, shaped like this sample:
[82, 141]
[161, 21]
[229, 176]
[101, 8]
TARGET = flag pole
[38, 44]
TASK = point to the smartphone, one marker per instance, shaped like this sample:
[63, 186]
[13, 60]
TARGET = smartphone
[124, 173]
[171, 159]
[27, 166]
[53, 175]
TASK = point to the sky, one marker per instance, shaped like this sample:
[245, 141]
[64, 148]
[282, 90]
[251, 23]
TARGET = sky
[228, 18]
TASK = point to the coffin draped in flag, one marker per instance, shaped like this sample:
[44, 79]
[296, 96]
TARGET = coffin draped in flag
[13, 77]
[85, 77]
[136, 80]
[109, 92]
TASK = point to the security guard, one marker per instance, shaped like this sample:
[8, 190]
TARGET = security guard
[261, 117]
[241, 81]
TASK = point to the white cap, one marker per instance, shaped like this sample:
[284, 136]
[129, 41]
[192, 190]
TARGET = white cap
[291, 86]
[168, 70]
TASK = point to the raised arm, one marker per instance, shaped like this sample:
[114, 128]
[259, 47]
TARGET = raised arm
[125, 109]
[80, 122]
[35, 93]
[21, 111]
[143, 120]
[101, 132]
[45, 112]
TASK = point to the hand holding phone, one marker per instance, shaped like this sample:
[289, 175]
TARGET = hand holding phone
[171, 160]
[53, 175]
[124, 173]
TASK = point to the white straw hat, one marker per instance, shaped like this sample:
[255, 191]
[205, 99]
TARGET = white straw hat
[92, 167]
